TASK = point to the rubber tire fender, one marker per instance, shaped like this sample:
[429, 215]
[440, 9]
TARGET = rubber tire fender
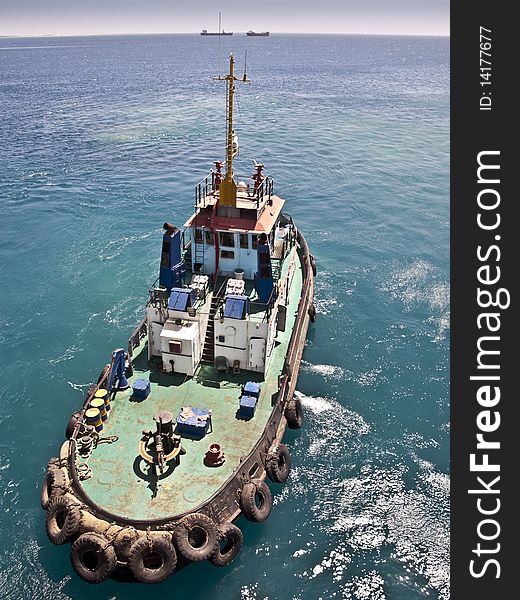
[62, 520]
[141, 557]
[54, 484]
[196, 537]
[232, 537]
[252, 511]
[294, 413]
[313, 265]
[74, 418]
[278, 463]
[312, 313]
[93, 558]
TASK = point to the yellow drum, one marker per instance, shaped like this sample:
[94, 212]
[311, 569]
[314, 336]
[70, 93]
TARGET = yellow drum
[100, 405]
[93, 417]
[102, 393]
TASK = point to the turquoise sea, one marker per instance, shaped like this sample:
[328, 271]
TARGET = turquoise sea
[102, 140]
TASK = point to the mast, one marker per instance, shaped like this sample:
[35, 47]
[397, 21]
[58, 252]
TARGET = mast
[228, 187]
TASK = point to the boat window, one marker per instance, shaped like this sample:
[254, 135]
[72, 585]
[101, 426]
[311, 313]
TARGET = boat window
[209, 238]
[254, 240]
[244, 240]
[227, 254]
[227, 239]
[253, 469]
[198, 236]
[175, 346]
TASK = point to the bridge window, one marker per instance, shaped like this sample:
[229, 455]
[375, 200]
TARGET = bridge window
[198, 236]
[254, 240]
[209, 238]
[175, 346]
[244, 243]
[227, 254]
[227, 239]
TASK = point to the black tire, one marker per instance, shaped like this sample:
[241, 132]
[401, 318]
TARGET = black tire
[294, 413]
[93, 558]
[230, 540]
[74, 418]
[152, 562]
[196, 537]
[62, 520]
[253, 492]
[312, 313]
[278, 463]
[54, 463]
[55, 484]
[313, 265]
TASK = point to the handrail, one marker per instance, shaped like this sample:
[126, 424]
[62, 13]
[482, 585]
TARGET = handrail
[207, 186]
[135, 339]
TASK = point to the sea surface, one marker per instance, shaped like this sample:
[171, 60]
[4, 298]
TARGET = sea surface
[102, 139]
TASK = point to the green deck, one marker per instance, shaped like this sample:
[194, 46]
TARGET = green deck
[125, 485]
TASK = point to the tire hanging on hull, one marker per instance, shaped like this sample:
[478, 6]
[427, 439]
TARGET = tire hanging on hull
[278, 463]
[62, 520]
[230, 540]
[294, 413]
[55, 484]
[253, 492]
[152, 560]
[93, 557]
[195, 537]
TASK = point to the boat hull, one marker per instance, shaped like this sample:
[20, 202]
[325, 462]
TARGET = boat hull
[122, 534]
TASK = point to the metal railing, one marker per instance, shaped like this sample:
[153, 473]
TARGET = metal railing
[135, 339]
[207, 186]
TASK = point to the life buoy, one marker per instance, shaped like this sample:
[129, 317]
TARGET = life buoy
[55, 484]
[230, 540]
[294, 413]
[278, 463]
[313, 265]
[195, 537]
[74, 418]
[153, 560]
[93, 557]
[62, 520]
[256, 500]
[312, 313]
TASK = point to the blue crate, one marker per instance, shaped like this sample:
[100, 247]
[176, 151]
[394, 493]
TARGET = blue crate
[193, 422]
[247, 407]
[251, 389]
[141, 388]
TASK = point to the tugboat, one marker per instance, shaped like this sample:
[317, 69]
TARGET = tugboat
[182, 429]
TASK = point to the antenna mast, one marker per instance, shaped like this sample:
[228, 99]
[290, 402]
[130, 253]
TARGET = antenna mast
[228, 187]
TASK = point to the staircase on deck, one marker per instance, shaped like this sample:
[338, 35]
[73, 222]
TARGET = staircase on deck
[208, 352]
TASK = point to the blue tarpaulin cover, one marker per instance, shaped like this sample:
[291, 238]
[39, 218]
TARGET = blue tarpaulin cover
[193, 421]
[252, 389]
[179, 299]
[235, 306]
[247, 407]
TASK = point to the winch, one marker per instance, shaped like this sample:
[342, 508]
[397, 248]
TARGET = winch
[164, 445]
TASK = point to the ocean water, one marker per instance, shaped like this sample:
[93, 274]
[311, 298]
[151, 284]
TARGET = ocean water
[102, 140]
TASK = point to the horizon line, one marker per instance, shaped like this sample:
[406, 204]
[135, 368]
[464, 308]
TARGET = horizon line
[49, 35]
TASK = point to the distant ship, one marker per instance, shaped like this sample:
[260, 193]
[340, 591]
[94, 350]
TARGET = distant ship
[220, 29]
[206, 32]
[258, 33]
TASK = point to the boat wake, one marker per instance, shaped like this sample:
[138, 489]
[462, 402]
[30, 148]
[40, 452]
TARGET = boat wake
[368, 509]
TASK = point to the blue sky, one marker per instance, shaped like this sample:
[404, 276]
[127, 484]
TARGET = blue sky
[81, 17]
